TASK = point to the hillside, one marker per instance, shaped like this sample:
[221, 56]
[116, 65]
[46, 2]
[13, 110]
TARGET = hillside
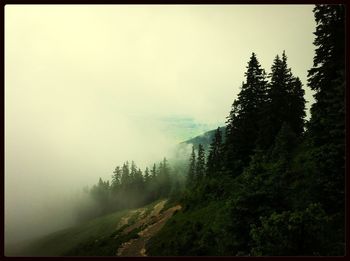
[205, 139]
[123, 233]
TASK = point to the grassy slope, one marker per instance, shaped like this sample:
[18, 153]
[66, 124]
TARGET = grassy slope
[199, 228]
[181, 235]
[98, 237]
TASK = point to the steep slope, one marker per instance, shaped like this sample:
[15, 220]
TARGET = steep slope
[123, 233]
[120, 233]
[204, 139]
[150, 224]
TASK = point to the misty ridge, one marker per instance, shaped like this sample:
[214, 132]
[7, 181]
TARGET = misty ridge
[128, 187]
[157, 171]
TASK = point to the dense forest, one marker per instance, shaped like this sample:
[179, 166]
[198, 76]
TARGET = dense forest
[271, 183]
[130, 187]
[275, 186]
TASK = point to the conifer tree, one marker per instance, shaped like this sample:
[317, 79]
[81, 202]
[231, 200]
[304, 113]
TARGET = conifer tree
[153, 185]
[327, 123]
[214, 161]
[154, 171]
[116, 177]
[165, 167]
[192, 167]
[200, 163]
[125, 179]
[147, 176]
[242, 128]
[285, 142]
[296, 107]
[166, 184]
[133, 170]
[139, 182]
[285, 103]
[160, 169]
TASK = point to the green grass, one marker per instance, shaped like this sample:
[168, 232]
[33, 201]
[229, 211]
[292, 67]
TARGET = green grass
[183, 234]
[98, 237]
[64, 241]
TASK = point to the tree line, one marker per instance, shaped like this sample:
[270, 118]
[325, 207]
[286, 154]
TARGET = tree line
[281, 177]
[131, 187]
[263, 111]
[272, 183]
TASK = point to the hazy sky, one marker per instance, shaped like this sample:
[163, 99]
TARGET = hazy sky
[87, 87]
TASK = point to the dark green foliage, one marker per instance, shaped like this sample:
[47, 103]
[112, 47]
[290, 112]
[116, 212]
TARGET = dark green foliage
[296, 107]
[271, 186]
[242, 128]
[280, 188]
[261, 189]
[292, 233]
[327, 123]
[153, 171]
[200, 164]
[190, 234]
[163, 179]
[101, 193]
[192, 167]
[285, 103]
[131, 188]
[285, 142]
[215, 157]
[205, 139]
[125, 180]
[116, 178]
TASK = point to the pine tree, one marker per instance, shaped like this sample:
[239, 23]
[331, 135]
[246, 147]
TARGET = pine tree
[147, 176]
[164, 177]
[242, 128]
[327, 123]
[200, 163]
[214, 161]
[133, 170]
[154, 172]
[327, 77]
[160, 170]
[153, 185]
[125, 179]
[166, 168]
[192, 167]
[139, 181]
[296, 107]
[285, 142]
[100, 193]
[285, 103]
[116, 177]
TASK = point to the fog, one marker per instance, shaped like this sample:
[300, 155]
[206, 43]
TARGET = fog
[89, 87]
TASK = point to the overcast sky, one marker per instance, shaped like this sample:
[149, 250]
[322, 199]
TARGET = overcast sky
[88, 87]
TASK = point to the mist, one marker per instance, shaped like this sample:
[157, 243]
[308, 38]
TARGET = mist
[88, 87]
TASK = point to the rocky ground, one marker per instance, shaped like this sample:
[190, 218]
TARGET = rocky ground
[149, 221]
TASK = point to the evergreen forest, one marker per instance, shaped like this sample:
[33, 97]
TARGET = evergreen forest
[270, 182]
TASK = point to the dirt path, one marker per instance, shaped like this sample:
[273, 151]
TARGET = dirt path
[153, 222]
[144, 220]
[125, 220]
